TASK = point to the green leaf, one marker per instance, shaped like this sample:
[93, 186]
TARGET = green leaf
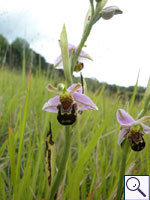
[133, 96]
[2, 189]
[12, 155]
[82, 159]
[65, 55]
[22, 133]
[147, 95]
[146, 105]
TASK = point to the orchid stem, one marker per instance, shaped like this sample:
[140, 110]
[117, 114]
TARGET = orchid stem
[83, 40]
[62, 165]
[125, 151]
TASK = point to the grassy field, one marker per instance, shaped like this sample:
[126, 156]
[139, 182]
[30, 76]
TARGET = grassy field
[94, 162]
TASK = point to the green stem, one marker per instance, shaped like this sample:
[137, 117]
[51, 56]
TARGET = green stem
[141, 114]
[143, 111]
[125, 151]
[83, 40]
[92, 7]
[62, 165]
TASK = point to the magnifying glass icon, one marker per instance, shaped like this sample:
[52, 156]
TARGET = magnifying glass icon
[133, 184]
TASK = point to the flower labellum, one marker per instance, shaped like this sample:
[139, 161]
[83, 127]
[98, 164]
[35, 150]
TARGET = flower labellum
[67, 110]
[135, 138]
[79, 66]
[132, 130]
[69, 103]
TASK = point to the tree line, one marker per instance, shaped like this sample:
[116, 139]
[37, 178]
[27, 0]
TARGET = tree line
[13, 55]
[19, 50]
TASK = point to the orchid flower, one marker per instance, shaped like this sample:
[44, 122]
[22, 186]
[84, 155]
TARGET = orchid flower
[68, 103]
[132, 130]
[79, 64]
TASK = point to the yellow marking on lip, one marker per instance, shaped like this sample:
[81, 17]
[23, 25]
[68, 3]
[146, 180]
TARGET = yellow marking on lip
[66, 97]
[64, 121]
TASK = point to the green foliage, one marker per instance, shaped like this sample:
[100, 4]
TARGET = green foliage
[14, 54]
[65, 55]
[93, 166]
[18, 53]
[3, 49]
[17, 48]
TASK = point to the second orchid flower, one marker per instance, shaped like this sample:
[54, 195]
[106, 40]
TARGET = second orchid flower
[132, 130]
[79, 64]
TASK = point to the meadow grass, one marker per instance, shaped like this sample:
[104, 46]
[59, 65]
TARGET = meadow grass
[93, 165]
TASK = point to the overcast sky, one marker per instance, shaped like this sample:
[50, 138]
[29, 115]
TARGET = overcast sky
[119, 47]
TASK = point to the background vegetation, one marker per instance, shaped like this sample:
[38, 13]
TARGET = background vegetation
[92, 170]
[11, 55]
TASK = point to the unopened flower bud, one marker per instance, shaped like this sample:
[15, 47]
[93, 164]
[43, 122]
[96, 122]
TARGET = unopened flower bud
[109, 12]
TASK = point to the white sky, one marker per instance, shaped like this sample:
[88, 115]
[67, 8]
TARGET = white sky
[119, 47]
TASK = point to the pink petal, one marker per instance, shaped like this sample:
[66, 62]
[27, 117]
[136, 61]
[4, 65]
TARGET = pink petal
[82, 57]
[51, 105]
[121, 137]
[146, 129]
[58, 61]
[51, 109]
[71, 46]
[73, 86]
[83, 107]
[124, 118]
[84, 100]
[84, 54]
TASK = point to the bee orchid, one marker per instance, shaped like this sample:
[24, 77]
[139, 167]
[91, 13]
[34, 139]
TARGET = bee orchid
[132, 130]
[79, 64]
[68, 103]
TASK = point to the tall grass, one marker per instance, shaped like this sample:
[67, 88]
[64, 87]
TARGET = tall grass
[93, 166]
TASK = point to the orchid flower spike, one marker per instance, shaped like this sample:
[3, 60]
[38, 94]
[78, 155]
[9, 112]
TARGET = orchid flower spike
[132, 130]
[68, 103]
[79, 64]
